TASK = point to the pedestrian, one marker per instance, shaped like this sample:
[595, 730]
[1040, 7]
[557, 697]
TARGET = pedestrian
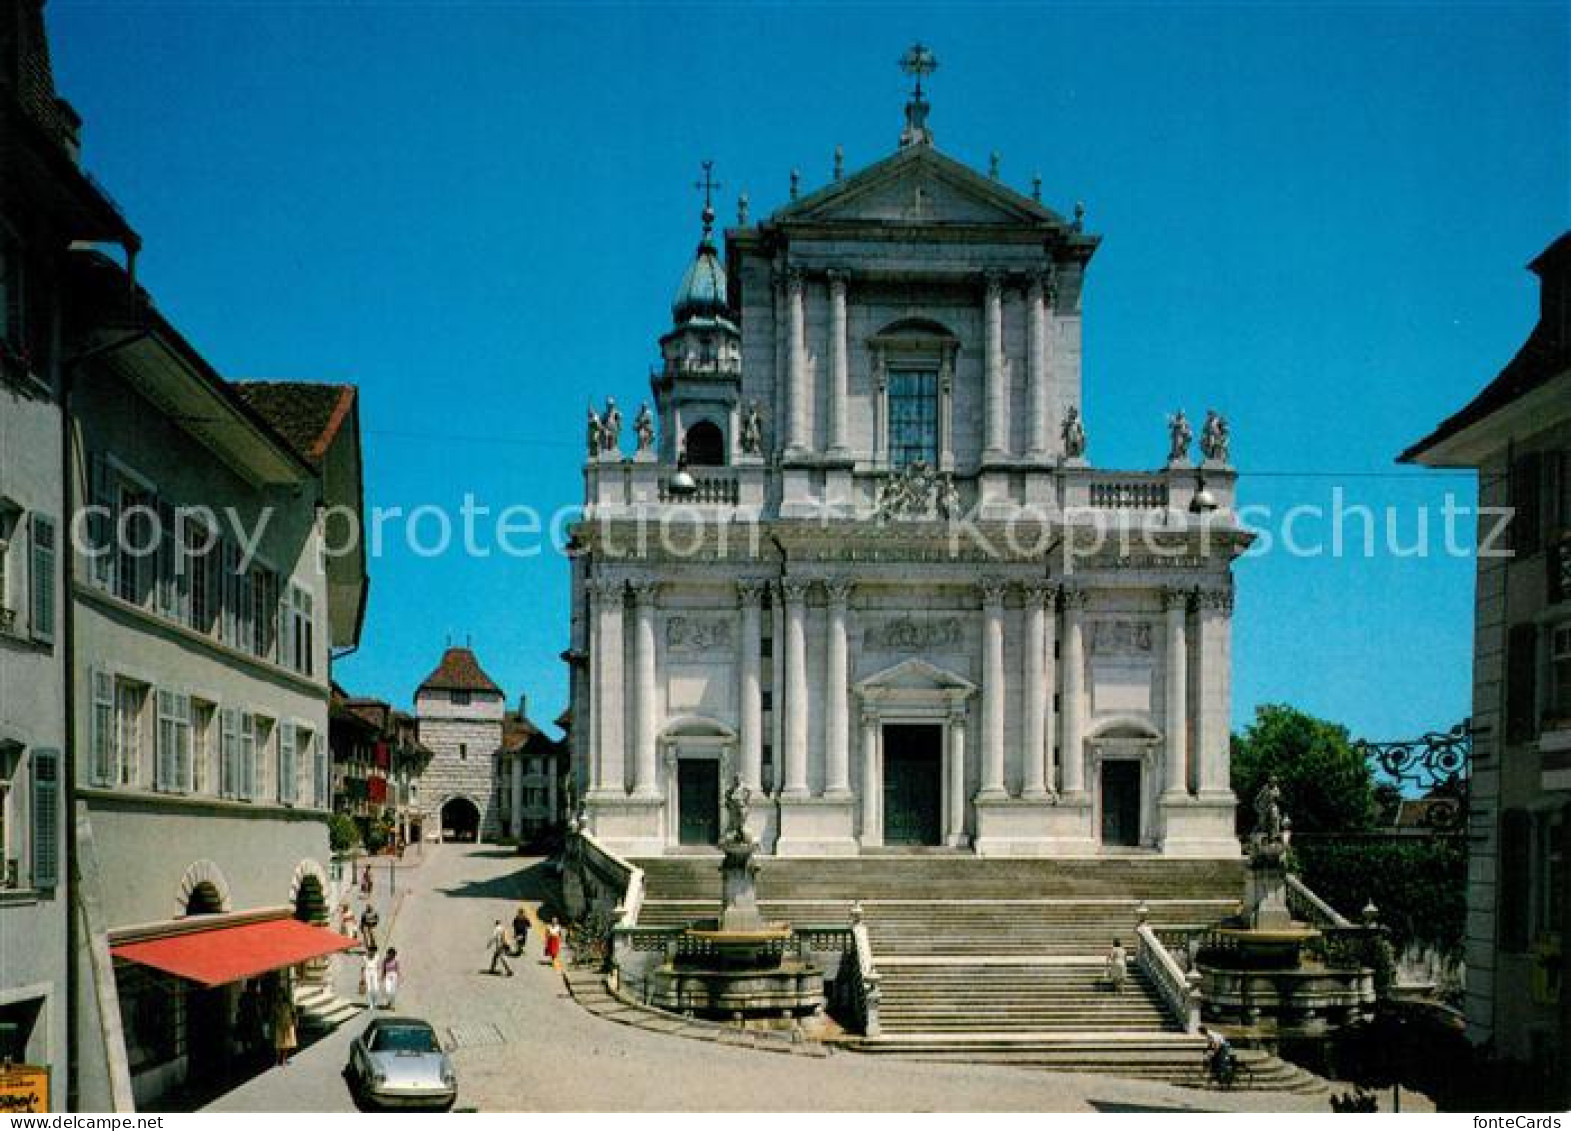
[371, 978]
[520, 930]
[365, 882]
[553, 943]
[390, 976]
[369, 921]
[1117, 967]
[498, 945]
[285, 1039]
[346, 920]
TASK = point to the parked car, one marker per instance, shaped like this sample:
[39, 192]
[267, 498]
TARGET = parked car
[399, 1062]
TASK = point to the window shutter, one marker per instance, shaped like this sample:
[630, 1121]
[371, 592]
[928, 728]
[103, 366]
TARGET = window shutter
[1516, 846]
[182, 780]
[247, 756]
[41, 579]
[1526, 502]
[165, 763]
[46, 818]
[286, 762]
[324, 788]
[103, 727]
[1521, 683]
[228, 750]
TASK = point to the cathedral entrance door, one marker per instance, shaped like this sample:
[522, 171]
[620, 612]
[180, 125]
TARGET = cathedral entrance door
[913, 783]
[1121, 803]
[698, 801]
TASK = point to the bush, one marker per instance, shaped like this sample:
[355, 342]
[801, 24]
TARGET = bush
[1418, 885]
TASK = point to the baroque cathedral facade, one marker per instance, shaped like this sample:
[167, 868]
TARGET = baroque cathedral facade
[857, 556]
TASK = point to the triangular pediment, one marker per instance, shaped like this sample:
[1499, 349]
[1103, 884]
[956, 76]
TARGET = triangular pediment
[915, 675]
[919, 186]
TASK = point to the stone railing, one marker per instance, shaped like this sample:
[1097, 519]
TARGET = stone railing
[862, 992]
[1307, 907]
[595, 879]
[628, 485]
[1179, 991]
[1142, 492]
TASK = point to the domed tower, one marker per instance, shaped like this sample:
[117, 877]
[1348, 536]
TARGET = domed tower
[697, 390]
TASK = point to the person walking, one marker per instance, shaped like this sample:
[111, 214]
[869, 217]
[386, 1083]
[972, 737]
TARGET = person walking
[1117, 967]
[553, 943]
[346, 920]
[371, 978]
[285, 1038]
[520, 930]
[366, 882]
[498, 945]
[390, 977]
[369, 921]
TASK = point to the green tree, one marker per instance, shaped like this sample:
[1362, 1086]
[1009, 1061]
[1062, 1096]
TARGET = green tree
[1326, 786]
[342, 832]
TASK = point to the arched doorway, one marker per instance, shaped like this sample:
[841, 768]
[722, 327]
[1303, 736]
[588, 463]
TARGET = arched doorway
[205, 899]
[705, 445]
[311, 901]
[460, 820]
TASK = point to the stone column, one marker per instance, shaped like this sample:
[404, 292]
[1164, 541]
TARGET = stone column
[955, 817]
[793, 592]
[1176, 694]
[1214, 614]
[946, 412]
[1049, 686]
[796, 352]
[1034, 692]
[646, 724]
[992, 687]
[1073, 752]
[995, 438]
[1036, 365]
[880, 410]
[782, 329]
[837, 753]
[609, 683]
[872, 780]
[750, 592]
[838, 354]
[518, 795]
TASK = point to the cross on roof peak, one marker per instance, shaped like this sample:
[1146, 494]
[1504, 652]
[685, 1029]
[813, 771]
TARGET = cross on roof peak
[708, 185]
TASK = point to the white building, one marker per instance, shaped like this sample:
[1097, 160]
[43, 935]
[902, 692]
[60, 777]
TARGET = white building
[869, 395]
[1517, 434]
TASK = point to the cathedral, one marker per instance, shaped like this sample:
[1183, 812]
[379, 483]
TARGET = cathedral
[858, 555]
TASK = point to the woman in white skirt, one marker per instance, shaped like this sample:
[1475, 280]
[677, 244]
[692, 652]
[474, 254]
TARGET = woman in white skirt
[390, 975]
[371, 978]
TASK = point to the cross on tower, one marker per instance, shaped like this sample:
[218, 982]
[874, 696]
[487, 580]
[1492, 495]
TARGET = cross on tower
[708, 186]
[918, 61]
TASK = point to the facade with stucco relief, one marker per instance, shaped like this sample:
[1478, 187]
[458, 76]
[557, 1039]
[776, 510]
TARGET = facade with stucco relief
[856, 554]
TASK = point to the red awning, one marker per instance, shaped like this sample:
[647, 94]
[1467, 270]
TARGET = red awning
[222, 955]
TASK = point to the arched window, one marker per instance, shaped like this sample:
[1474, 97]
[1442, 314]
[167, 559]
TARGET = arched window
[705, 445]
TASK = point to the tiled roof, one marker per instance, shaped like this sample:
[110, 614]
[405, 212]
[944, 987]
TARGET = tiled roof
[306, 414]
[458, 671]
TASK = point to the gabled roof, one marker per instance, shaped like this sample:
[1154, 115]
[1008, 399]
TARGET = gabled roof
[307, 414]
[459, 670]
[883, 193]
[1545, 356]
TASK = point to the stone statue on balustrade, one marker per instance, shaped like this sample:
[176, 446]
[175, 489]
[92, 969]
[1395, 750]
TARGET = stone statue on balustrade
[644, 430]
[1180, 436]
[1074, 434]
[596, 433]
[948, 497]
[752, 430]
[1215, 438]
[611, 428]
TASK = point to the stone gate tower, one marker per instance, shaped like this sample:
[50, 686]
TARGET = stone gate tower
[460, 711]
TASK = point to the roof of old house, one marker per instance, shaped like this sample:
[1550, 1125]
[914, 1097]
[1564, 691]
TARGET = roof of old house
[458, 671]
[519, 734]
[1544, 356]
[307, 414]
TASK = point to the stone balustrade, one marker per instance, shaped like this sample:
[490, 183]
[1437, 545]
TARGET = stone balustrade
[1177, 989]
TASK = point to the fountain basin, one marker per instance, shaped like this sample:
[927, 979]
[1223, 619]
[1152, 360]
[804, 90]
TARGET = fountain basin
[792, 989]
[1267, 946]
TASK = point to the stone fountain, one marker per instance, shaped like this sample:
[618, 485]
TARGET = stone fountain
[1255, 979]
[737, 967]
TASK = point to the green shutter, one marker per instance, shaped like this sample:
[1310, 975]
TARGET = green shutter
[1515, 872]
[41, 580]
[46, 818]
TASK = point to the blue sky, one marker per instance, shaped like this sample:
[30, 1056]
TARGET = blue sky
[1315, 218]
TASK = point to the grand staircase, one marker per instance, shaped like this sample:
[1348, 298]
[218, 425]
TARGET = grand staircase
[998, 961]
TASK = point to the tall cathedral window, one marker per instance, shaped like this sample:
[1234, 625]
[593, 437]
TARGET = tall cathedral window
[913, 417]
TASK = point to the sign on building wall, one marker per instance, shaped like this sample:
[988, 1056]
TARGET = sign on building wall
[24, 1088]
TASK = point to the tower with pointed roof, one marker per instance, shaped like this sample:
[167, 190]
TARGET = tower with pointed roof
[868, 566]
[460, 711]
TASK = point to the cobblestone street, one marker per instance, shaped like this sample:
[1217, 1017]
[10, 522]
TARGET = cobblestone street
[523, 1044]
